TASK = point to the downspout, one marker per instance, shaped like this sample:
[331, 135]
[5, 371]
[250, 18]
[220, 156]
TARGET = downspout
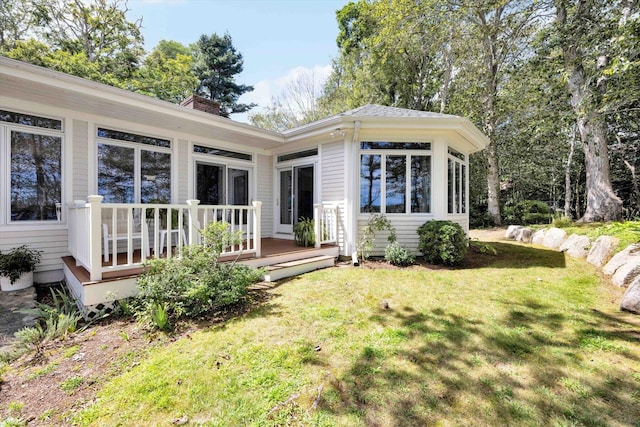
[355, 196]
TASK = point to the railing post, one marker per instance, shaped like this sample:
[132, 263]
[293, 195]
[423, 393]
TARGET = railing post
[193, 219]
[95, 234]
[257, 242]
[317, 211]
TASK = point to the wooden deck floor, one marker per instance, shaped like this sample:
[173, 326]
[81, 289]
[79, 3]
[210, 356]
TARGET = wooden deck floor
[270, 248]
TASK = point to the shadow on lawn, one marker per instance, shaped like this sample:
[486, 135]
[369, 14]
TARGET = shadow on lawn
[513, 255]
[518, 370]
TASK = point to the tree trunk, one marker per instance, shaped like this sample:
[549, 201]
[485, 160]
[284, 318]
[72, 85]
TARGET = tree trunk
[567, 176]
[602, 202]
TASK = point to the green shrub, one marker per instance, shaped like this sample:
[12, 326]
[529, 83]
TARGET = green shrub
[195, 284]
[526, 212]
[442, 242]
[376, 222]
[398, 256]
[304, 232]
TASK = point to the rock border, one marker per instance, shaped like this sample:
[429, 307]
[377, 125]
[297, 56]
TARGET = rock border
[623, 267]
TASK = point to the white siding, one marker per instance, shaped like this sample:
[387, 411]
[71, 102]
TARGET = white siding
[406, 231]
[182, 170]
[332, 185]
[80, 152]
[264, 189]
[53, 243]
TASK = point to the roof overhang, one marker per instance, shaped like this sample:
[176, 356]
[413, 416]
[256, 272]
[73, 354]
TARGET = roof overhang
[26, 81]
[21, 80]
[461, 126]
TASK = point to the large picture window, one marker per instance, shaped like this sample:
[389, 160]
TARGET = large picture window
[32, 148]
[393, 181]
[133, 170]
[457, 183]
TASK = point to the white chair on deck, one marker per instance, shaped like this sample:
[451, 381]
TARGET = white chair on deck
[122, 236]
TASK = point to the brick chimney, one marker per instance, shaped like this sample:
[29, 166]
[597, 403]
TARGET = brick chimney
[197, 102]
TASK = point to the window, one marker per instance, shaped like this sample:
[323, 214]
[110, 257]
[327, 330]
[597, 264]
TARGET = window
[210, 185]
[456, 183]
[222, 153]
[298, 155]
[133, 168]
[392, 181]
[32, 147]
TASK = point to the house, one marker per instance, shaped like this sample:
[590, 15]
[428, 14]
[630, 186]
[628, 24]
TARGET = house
[100, 178]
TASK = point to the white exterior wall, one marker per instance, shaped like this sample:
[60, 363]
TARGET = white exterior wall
[407, 224]
[80, 155]
[264, 192]
[332, 166]
[181, 167]
[79, 178]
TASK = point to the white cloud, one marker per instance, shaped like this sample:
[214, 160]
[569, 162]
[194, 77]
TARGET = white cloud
[265, 90]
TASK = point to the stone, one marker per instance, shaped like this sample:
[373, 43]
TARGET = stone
[538, 237]
[524, 235]
[554, 237]
[601, 250]
[576, 245]
[621, 258]
[627, 273]
[631, 299]
[512, 231]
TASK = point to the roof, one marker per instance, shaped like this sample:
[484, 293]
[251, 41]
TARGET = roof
[374, 110]
[22, 80]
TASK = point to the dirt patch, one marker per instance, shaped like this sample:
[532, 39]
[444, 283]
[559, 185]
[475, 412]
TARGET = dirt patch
[48, 386]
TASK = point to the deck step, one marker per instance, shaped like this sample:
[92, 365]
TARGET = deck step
[293, 268]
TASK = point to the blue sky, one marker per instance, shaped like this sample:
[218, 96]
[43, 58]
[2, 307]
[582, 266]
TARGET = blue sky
[279, 40]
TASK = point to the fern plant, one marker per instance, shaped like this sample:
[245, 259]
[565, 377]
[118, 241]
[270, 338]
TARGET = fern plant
[304, 232]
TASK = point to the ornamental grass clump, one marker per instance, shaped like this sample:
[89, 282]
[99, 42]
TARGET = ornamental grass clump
[196, 283]
[443, 242]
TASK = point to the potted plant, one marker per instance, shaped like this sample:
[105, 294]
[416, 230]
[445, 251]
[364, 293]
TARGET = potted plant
[304, 232]
[17, 267]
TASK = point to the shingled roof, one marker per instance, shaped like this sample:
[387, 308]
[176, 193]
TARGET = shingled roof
[374, 110]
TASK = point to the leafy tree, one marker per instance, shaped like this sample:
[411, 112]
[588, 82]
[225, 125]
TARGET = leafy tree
[18, 19]
[99, 29]
[582, 29]
[217, 62]
[298, 104]
[167, 73]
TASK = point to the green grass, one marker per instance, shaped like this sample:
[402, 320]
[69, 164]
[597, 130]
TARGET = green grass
[527, 337]
[627, 232]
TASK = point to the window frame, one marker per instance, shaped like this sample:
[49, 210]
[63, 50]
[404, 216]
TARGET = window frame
[460, 163]
[5, 168]
[395, 152]
[137, 147]
[226, 163]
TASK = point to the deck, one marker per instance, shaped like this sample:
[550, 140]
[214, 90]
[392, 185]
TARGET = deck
[121, 284]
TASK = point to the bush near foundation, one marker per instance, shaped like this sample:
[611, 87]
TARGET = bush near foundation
[443, 242]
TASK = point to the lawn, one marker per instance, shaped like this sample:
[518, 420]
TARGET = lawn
[528, 337]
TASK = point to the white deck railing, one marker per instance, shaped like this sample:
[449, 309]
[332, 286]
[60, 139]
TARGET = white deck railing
[325, 219]
[98, 231]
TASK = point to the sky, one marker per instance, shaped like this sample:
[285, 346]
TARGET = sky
[278, 40]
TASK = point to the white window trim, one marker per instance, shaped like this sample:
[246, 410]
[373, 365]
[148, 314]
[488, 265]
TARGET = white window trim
[463, 185]
[137, 158]
[5, 178]
[383, 181]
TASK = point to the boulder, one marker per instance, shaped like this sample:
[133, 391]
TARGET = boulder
[601, 250]
[631, 299]
[621, 258]
[554, 237]
[576, 246]
[627, 273]
[538, 237]
[524, 235]
[512, 231]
